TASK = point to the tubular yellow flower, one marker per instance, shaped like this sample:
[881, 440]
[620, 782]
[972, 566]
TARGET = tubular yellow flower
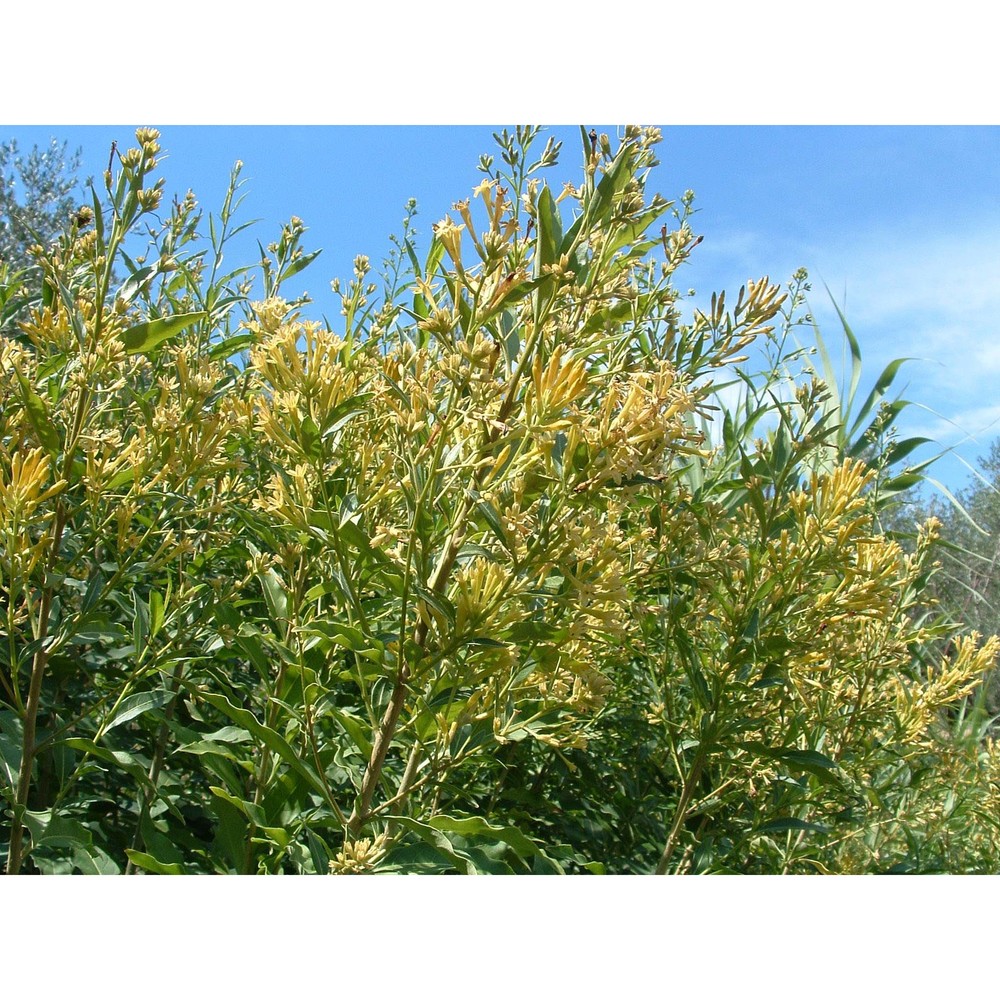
[484, 190]
[554, 388]
[481, 588]
[450, 236]
[358, 856]
[25, 488]
[462, 207]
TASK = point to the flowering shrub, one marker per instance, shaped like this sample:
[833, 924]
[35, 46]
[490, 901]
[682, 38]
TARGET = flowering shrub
[281, 597]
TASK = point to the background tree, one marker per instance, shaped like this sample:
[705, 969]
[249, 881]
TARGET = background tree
[36, 197]
[966, 586]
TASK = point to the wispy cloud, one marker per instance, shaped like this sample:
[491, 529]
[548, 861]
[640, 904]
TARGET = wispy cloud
[921, 288]
[927, 293]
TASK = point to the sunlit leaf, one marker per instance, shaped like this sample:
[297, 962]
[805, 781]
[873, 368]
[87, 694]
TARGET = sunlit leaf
[143, 337]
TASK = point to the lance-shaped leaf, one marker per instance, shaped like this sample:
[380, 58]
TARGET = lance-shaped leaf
[273, 740]
[143, 337]
[598, 206]
[299, 264]
[148, 863]
[38, 416]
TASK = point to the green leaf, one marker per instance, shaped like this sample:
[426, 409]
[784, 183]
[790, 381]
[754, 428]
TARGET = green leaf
[311, 443]
[632, 232]
[255, 652]
[94, 592]
[898, 484]
[143, 337]
[136, 705]
[343, 413]
[599, 205]
[274, 595]
[802, 760]
[299, 264]
[846, 403]
[120, 478]
[434, 256]
[271, 739]
[441, 845]
[53, 830]
[94, 629]
[225, 349]
[356, 729]
[118, 758]
[140, 624]
[318, 852]
[420, 311]
[476, 826]
[549, 231]
[134, 283]
[414, 262]
[156, 610]
[482, 640]
[807, 760]
[251, 810]
[49, 831]
[11, 743]
[901, 449]
[91, 860]
[230, 833]
[256, 814]
[98, 217]
[217, 742]
[148, 863]
[38, 416]
[436, 602]
[882, 383]
[490, 515]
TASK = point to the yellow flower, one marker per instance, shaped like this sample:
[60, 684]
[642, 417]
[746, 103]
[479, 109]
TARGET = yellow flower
[484, 190]
[554, 387]
[25, 489]
[482, 587]
[358, 856]
[450, 236]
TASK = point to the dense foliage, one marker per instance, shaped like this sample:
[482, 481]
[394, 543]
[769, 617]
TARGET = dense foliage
[481, 580]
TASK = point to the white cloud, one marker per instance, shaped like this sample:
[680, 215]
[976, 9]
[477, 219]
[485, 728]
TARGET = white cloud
[927, 293]
[932, 294]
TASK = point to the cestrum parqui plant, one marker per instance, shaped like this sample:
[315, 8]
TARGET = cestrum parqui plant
[454, 476]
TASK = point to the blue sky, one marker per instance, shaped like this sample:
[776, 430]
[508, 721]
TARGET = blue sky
[902, 223]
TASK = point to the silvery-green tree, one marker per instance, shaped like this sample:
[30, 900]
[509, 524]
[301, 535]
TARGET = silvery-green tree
[36, 197]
